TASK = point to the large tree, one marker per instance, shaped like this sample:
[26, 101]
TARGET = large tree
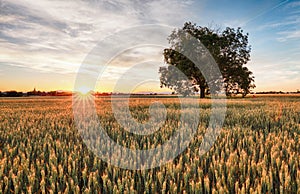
[230, 50]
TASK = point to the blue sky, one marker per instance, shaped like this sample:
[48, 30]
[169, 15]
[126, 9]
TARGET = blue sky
[43, 43]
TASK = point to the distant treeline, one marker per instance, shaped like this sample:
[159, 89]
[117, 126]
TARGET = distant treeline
[34, 93]
[280, 92]
[14, 93]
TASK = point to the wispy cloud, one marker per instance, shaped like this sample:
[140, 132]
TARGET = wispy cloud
[293, 4]
[286, 25]
[56, 35]
[285, 35]
[264, 12]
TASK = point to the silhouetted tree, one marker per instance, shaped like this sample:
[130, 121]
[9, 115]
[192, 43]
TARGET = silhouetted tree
[13, 94]
[230, 50]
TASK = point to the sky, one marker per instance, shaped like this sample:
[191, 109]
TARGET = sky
[44, 43]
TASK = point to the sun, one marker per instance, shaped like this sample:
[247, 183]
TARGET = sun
[82, 96]
[84, 90]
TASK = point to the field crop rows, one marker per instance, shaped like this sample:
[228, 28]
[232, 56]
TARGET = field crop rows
[258, 149]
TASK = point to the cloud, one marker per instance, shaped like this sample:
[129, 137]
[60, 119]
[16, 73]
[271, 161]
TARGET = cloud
[286, 27]
[289, 34]
[293, 4]
[279, 24]
[56, 35]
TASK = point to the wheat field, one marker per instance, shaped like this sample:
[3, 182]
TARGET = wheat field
[258, 150]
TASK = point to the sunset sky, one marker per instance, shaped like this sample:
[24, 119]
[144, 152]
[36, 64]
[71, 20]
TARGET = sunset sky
[43, 43]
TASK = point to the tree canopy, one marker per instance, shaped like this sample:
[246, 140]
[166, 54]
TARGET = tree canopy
[230, 50]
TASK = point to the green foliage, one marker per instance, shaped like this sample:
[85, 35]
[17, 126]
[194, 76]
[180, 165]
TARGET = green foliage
[229, 48]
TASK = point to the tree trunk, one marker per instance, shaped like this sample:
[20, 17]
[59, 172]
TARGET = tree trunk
[202, 92]
[244, 94]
